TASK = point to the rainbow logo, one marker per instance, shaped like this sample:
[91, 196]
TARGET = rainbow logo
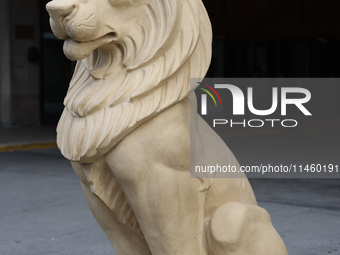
[209, 93]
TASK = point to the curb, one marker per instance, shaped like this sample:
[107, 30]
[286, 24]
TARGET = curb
[28, 146]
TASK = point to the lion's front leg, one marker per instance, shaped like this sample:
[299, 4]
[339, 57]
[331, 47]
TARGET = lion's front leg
[152, 167]
[124, 239]
[166, 204]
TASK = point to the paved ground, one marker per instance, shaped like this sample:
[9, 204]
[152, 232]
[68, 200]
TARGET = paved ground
[43, 211]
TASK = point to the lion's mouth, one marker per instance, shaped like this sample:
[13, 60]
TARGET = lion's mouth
[76, 50]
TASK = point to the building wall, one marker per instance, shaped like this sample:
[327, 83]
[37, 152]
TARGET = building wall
[20, 78]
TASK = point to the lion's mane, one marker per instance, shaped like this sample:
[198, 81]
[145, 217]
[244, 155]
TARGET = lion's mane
[120, 86]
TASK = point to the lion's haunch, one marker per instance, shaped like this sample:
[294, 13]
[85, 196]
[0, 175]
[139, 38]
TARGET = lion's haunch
[74, 50]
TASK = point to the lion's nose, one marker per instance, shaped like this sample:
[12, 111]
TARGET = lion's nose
[59, 9]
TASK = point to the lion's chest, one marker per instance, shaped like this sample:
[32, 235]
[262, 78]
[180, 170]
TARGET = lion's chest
[163, 140]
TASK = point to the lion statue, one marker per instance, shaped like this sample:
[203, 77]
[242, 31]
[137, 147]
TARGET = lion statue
[126, 128]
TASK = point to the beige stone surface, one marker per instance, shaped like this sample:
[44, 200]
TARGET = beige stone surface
[127, 126]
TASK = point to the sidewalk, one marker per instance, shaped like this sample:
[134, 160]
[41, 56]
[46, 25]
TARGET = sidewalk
[43, 210]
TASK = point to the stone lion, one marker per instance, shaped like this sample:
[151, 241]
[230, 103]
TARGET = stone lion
[126, 129]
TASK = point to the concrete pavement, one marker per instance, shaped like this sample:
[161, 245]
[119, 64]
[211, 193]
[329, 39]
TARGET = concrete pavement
[43, 210]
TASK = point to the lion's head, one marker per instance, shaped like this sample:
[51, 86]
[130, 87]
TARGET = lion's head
[135, 59]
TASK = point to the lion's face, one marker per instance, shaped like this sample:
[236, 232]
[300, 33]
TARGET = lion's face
[86, 25]
[135, 59]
